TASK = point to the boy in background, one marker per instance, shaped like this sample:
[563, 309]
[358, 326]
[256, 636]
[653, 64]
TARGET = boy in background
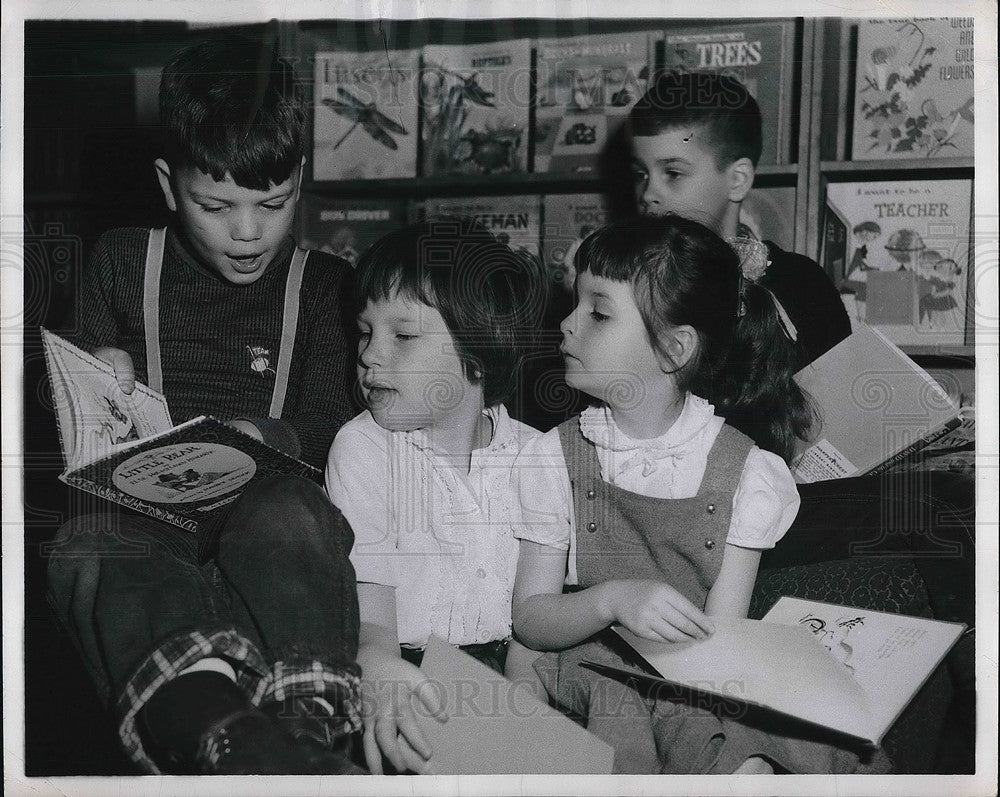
[695, 141]
[232, 652]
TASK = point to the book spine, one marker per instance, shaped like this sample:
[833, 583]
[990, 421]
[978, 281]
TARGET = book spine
[915, 447]
[118, 497]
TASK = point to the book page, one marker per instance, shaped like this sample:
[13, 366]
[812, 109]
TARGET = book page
[768, 665]
[874, 402]
[94, 415]
[890, 655]
[496, 726]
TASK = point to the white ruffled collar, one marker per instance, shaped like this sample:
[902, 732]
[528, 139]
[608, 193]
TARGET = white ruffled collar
[598, 425]
[503, 432]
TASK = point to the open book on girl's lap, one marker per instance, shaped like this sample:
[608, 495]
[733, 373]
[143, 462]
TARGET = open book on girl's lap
[123, 447]
[846, 669]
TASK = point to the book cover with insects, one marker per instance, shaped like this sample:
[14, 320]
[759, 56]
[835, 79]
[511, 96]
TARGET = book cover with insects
[759, 55]
[586, 87]
[475, 101]
[346, 227]
[899, 252]
[365, 119]
[914, 92]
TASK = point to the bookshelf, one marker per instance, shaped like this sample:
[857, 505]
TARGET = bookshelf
[819, 118]
[831, 159]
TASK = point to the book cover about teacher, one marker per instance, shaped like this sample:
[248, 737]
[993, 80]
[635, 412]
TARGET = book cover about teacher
[899, 253]
[914, 89]
[586, 87]
[475, 100]
[759, 55]
[365, 115]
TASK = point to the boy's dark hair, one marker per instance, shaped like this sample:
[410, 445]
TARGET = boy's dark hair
[719, 103]
[682, 273]
[228, 105]
[489, 296]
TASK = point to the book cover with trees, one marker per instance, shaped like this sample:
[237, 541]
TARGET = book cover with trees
[759, 55]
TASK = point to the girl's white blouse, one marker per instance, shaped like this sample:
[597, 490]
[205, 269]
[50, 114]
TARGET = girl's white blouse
[445, 542]
[671, 466]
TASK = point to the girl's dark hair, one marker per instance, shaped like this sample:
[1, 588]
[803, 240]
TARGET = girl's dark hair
[228, 105]
[490, 297]
[682, 273]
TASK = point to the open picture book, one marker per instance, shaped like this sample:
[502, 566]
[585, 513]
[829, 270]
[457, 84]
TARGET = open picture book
[877, 408]
[124, 448]
[846, 669]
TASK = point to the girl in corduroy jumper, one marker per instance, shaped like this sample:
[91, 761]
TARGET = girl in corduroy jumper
[655, 504]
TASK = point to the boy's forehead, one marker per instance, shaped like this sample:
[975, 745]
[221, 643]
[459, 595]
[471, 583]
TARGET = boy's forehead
[195, 181]
[690, 142]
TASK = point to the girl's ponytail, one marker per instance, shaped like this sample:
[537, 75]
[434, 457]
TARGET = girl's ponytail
[755, 388]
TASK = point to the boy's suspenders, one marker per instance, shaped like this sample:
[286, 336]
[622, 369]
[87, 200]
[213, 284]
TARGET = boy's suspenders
[151, 318]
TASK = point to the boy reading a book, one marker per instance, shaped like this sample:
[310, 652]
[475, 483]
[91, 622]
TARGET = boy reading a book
[695, 140]
[236, 656]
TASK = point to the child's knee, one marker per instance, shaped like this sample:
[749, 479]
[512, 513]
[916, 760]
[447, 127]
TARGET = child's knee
[287, 515]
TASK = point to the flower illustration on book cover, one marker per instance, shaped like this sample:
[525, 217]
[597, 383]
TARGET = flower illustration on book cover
[446, 95]
[901, 119]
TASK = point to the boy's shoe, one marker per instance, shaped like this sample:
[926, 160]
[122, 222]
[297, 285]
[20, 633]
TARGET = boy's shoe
[317, 729]
[202, 723]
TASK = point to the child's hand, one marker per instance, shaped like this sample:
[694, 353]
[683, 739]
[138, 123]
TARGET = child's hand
[657, 611]
[121, 361]
[389, 686]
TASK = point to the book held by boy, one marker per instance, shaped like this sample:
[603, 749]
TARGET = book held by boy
[499, 727]
[914, 91]
[759, 55]
[365, 120]
[124, 448]
[899, 251]
[847, 669]
[876, 409]
[475, 100]
[586, 87]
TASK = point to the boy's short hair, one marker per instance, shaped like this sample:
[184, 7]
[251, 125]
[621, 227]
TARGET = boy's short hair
[719, 103]
[229, 106]
[489, 296]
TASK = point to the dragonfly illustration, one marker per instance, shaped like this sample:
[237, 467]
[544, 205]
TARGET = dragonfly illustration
[375, 123]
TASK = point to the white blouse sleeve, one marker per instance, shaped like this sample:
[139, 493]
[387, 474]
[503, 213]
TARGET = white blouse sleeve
[358, 485]
[544, 511]
[765, 504]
